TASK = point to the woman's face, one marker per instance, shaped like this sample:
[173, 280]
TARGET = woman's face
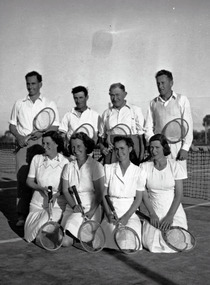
[49, 146]
[156, 149]
[122, 151]
[78, 148]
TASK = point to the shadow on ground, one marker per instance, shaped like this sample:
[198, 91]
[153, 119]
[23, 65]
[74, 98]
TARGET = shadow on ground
[8, 198]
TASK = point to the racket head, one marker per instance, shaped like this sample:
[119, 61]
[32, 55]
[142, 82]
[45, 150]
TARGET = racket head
[179, 239]
[120, 129]
[51, 236]
[175, 130]
[91, 236]
[44, 119]
[126, 239]
[86, 128]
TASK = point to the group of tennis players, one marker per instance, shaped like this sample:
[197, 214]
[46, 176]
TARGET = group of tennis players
[63, 156]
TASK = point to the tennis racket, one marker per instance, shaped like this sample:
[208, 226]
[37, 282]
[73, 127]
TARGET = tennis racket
[175, 130]
[51, 233]
[86, 128]
[41, 123]
[177, 238]
[126, 238]
[90, 234]
[119, 129]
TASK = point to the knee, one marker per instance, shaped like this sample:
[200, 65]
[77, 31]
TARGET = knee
[67, 241]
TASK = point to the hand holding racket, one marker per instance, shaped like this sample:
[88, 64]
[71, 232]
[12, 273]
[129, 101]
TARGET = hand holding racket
[91, 234]
[51, 233]
[41, 123]
[126, 238]
[175, 130]
[177, 238]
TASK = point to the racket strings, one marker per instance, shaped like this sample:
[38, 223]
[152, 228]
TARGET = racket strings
[175, 130]
[87, 129]
[44, 119]
[51, 236]
[92, 236]
[180, 239]
[120, 129]
[127, 240]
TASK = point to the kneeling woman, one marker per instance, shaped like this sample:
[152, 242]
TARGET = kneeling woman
[163, 179]
[45, 170]
[87, 175]
[122, 184]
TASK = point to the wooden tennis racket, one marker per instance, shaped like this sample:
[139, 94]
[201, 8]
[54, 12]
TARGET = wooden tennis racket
[41, 123]
[177, 238]
[90, 234]
[175, 130]
[126, 238]
[51, 233]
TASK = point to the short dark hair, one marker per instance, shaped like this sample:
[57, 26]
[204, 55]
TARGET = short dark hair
[126, 139]
[88, 142]
[164, 72]
[57, 138]
[34, 73]
[78, 89]
[117, 85]
[163, 141]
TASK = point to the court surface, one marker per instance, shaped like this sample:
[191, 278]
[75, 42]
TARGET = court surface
[23, 263]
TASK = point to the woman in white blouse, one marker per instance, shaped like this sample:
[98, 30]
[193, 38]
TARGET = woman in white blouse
[123, 185]
[163, 180]
[45, 170]
[87, 175]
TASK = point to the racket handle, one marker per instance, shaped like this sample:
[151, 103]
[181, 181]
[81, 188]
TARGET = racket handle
[109, 203]
[76, 194]
[50, 193]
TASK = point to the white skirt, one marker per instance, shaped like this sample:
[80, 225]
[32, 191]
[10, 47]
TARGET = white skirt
[121, 206]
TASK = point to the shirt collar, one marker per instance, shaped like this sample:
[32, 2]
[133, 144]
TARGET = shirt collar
[57, 158]
[76, 112]
[173, 96]
[128, 105]
[29, 99]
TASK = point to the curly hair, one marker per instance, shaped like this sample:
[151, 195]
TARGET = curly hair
[57, 138]
[88, 142]
[163, 141]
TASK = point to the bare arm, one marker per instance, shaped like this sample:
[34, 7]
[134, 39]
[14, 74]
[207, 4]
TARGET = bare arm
[154, 220]
[20, 139]
[134, 206]
[168, 219]
[32, 184]
[68, 194]
[99, 187]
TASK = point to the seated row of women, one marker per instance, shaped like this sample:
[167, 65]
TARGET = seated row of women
[157, 182]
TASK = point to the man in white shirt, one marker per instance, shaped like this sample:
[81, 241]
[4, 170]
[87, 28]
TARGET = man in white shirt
[121, 112]
[166, 107]
[79, 115]
[21, 125]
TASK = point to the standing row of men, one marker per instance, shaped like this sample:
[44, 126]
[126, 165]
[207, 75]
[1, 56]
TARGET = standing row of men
[168, 105]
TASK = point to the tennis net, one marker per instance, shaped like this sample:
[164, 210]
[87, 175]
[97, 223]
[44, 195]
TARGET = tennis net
[198, 165]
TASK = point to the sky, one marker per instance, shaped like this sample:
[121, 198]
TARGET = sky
[99, 42]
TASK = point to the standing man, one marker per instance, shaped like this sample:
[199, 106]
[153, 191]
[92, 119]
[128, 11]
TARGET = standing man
[21, 125]
[79, 115]
[121, 112]
[166, 107]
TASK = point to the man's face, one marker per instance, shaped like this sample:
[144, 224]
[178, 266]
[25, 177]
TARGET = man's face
[164, 85]
[117, 97]
[80, 100]
[33, 85]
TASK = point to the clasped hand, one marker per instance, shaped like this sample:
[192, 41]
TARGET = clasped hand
[162, 225]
